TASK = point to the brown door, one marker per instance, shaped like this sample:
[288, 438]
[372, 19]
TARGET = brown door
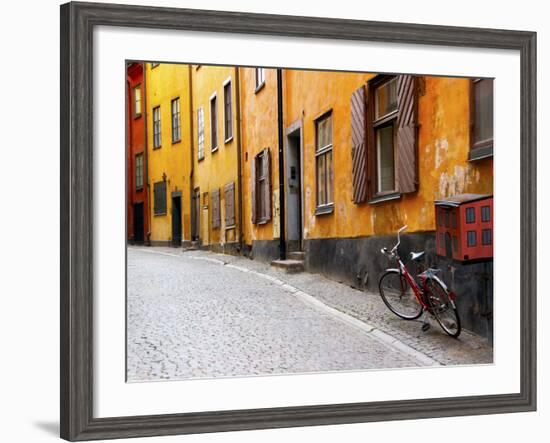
[195, 216]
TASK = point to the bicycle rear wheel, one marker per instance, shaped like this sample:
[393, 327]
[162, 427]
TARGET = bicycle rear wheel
[443, 308]
[399, 296]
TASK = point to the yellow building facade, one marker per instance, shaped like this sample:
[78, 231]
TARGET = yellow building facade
[216, 192]
[169, 152]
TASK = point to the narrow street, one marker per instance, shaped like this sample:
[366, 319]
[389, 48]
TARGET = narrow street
[197, 314]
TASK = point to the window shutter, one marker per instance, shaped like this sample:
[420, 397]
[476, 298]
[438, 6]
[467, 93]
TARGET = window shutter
[216, 208]
[407, 134]
[267, 195]
[253, 191]
[359, 145]
[230, 204]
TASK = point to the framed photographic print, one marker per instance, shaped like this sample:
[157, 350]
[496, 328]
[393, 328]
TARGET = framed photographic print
[273, 221]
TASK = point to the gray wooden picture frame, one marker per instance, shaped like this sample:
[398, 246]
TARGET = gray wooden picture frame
[77, 23]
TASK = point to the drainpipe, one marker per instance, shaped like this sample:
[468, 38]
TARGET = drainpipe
[146, 156]
[192, 149]
[282, 243]
[239, 155]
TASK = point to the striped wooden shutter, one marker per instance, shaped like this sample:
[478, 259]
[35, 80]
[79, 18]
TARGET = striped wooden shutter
[253, 191]
[359, 145]
[407, 134]
[267, 195]
[229, 204]
[215, 201]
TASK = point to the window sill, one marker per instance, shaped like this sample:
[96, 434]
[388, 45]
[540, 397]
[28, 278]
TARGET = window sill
[480, 153]
[214, 149]
[175, 142]
[233, 226]
[228, 140]
[156, 147]
[139, 189]
[325, 209]
[381, 198]
[259, 87]
[136, 116]
[160, 214]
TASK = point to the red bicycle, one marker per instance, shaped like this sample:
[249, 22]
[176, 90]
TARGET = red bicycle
[408, 299]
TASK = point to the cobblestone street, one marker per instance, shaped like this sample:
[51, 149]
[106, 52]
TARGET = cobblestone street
[197, 314]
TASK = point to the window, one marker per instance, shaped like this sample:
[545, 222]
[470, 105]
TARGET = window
[481, 119]
[139, 171]
[470, 215]
[200, 141]
[471, 236]
[213, 124]
[227, 103]
[260, 78]
[156, 127]
[229, 198]
[486, 237]
[176, 124]
[385, 132]
[137, 101]
[323, 154]
[485, 213]
[392, 134]
[261, 190]
[159, 190]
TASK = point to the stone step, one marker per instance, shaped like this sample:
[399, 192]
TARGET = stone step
[290, 266]
[296, 255]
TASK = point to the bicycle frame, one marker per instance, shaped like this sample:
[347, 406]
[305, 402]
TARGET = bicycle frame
[424, 275]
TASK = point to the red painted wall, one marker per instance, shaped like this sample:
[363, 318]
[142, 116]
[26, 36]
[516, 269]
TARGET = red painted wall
[136, 144]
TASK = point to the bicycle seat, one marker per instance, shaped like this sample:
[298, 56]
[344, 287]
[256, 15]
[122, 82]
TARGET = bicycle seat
[416, 256]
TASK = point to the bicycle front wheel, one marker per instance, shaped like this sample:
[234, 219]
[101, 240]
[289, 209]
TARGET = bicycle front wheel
[443, 308]
[399, 296]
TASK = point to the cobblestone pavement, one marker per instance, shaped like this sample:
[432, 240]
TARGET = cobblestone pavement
[191, 316]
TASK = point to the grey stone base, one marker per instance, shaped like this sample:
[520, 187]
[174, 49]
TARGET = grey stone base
[359, 263]
[263, 250]
[227, 248]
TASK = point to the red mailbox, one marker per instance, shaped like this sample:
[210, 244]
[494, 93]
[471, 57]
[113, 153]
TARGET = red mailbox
[464, 227]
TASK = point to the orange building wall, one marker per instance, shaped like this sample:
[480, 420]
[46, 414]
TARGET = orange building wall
[259, 131]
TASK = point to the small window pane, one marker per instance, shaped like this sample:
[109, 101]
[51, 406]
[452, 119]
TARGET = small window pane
[176, 125]
[137, 101]
[386, 98]
[485, 213]
[200, 124]
[486, 237]
[472, 238]
[483, 105]
[213, 124]
[470, 215]
[139, 171]
[156, 127]
[329, 178]
[385, 157]
[321, 181]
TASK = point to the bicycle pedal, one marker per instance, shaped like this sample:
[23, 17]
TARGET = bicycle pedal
[425, 327]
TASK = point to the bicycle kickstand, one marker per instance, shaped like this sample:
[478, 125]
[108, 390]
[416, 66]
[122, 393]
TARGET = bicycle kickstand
[425, 323]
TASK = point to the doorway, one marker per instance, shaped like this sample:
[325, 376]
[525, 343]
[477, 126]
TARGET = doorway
[195, 214]
[138, 223]
[176, 219]
[294, 190]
